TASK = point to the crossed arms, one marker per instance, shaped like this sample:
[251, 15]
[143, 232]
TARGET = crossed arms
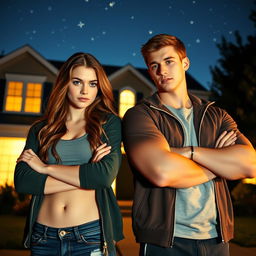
[166, 166]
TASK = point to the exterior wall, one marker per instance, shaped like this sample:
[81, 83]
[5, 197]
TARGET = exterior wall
[128, 79]
[28, 65]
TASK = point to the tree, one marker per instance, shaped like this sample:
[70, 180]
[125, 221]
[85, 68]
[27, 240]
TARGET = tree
[234, 81]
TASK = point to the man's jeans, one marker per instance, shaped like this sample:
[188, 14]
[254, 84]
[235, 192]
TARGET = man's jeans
[83, 240]
[187, 247]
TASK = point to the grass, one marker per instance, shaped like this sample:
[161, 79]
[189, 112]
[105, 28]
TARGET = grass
[12, 231]
[245, 231]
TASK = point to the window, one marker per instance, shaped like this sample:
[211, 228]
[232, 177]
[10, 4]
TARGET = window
[126, 101]
[23, 93]
[250, 181]
[10, 149]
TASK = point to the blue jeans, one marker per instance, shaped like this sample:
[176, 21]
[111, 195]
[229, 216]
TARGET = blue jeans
[80, 240]
[187, 247]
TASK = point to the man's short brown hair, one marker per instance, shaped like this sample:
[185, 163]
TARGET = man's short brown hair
[157, 42]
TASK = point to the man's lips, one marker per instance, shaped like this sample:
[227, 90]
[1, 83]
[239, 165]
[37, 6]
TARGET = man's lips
[165, 80]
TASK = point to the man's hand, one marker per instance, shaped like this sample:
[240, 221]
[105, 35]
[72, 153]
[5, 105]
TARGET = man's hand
[29, 156]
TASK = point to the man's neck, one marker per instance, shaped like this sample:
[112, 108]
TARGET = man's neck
[176, 100]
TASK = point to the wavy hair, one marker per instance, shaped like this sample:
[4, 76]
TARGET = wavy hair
[161, 40]
[58, 106]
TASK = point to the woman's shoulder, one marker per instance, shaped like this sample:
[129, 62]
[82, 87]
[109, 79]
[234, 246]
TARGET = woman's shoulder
[37, 126]
[112, 120]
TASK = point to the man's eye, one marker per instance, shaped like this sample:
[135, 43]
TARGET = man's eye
[153, 67]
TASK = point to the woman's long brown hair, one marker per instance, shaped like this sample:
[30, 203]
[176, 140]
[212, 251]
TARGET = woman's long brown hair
[58, 107]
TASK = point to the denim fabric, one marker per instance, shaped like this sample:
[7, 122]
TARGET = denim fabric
[187, 247]
[80, 240]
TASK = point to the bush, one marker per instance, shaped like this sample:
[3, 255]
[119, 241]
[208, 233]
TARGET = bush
[13, 203]
[244, 199]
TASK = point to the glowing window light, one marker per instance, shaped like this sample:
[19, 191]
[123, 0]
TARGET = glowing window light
[33, 98]
[250, 181]
[14, 96]
[10, 149]
[127, 100]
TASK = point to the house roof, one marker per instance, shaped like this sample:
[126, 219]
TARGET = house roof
[111, 70]
[31, 51]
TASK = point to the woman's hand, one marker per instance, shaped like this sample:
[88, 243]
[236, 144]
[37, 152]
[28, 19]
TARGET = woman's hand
[100, 152]
[226, 139]
[28, 156]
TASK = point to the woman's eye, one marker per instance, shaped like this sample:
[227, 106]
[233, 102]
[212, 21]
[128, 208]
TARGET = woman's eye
[76, 82]
[94, 84]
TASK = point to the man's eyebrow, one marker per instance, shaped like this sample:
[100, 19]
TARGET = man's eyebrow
[167, 58]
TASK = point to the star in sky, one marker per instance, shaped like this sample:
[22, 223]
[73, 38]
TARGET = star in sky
[80, 24]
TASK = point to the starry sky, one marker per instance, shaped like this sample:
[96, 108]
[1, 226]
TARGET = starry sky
[114, 31]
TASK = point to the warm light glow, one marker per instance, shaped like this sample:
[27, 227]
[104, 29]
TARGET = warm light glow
[250, 181]
[114, 186]
[10, 149]
[127, 100]
[33, 98]
[14, 96]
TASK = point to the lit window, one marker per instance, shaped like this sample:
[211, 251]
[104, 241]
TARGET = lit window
[33, 98]
[250, 181]
[19, 93]
[10, 149]
[14, 96]
[127, 100]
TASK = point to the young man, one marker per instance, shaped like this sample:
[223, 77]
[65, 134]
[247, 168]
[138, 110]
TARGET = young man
[181, 150]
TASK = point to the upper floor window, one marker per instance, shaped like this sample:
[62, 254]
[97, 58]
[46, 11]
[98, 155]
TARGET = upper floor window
[23, 93]
[126, 101]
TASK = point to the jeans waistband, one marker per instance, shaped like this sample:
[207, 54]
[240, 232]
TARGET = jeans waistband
[67, 232]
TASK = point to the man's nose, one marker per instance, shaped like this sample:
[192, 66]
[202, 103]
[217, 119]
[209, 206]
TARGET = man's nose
[162, 70]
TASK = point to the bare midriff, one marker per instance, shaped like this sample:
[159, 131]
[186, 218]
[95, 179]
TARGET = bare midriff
[69, 208]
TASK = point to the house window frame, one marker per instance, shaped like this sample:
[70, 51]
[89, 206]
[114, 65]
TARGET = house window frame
[25, 79]
[123, 89]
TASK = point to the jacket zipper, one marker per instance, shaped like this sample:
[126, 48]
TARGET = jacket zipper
[30, 222]
[183, 129]
[105, 245]
[217, 201]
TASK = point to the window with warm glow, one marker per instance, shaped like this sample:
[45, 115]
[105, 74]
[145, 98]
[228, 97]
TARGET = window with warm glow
[33, 98]
[126, 101]
[10, 149]
[14, 96]
[250, 181]
[23, 97]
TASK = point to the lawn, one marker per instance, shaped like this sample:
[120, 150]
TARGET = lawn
[12, 230]
[245, 231]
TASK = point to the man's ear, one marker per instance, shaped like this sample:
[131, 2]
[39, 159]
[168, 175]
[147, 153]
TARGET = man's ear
[185, 63]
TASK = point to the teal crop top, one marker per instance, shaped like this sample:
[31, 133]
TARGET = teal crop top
[72, 152]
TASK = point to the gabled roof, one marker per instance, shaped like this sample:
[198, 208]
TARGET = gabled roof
[31, 51]
[133, 70]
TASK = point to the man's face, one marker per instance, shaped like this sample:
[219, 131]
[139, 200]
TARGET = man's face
[167, 69]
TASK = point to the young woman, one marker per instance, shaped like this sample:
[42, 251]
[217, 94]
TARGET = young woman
[71, 157]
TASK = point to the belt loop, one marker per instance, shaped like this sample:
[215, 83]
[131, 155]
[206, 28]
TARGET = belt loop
[77, 234]
[45, 231]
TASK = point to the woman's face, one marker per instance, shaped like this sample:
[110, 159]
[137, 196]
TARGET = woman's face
[82, 87]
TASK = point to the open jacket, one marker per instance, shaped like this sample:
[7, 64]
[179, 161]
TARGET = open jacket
[98, 176]
[154, 207]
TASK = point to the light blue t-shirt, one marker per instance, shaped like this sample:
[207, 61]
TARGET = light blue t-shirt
[195, 208]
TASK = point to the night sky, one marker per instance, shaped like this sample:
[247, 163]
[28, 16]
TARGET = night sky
[115, 30]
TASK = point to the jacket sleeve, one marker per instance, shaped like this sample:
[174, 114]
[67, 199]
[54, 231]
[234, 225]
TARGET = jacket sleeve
[139, 126]
[228, 124]
[26, 180]
[101, 174]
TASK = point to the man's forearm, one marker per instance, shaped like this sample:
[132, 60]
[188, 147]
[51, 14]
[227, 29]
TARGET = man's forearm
[233, 162]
